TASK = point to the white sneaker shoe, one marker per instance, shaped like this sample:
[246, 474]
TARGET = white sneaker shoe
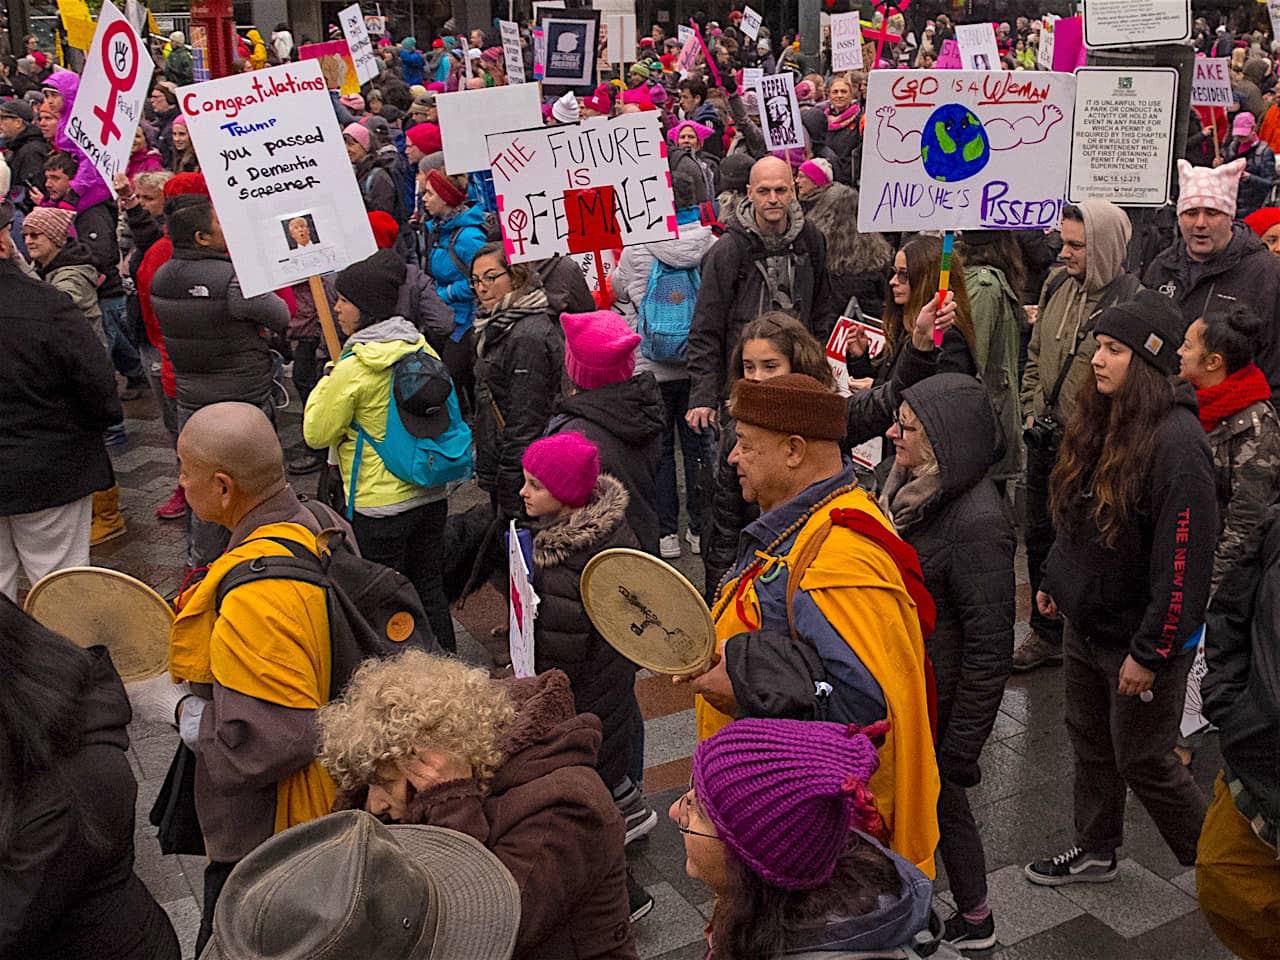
[695, 542]
[669, 546]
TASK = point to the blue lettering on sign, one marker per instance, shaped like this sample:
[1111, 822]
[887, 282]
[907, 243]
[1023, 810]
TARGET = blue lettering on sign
[241, 129]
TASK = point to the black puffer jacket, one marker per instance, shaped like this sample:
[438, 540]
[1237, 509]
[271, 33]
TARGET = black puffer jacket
[960, 526]
[26, 154]
[624, 420]
[602, 679]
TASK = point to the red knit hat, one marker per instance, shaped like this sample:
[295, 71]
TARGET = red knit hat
[1260, 221]
[385, 228]
[424, 136]
[186, 183]
[446, 189]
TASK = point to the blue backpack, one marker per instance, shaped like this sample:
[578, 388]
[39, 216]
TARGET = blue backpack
[665, 312]
[426, 442]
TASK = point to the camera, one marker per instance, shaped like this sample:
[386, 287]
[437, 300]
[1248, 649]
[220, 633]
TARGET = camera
[1043, 434]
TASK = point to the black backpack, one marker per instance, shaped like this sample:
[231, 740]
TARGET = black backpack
[373, 610]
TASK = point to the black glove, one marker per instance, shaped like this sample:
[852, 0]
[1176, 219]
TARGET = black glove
[961, 772]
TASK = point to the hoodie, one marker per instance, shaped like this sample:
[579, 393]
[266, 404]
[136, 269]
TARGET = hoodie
[452, 246]
[72, 271]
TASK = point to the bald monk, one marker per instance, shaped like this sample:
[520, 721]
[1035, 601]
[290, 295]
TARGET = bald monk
[258, 664]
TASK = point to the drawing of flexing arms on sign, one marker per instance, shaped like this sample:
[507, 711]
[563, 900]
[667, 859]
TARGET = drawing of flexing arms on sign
[953, 143]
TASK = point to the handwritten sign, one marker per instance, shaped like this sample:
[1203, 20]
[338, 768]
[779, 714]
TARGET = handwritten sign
[523, 604]
[977, 43]
[1211, 85]
[965, 150]
[751, 78]
[838, 347]
[1130, 23]
[846, 42]
[1044, 51]
[578, 188]
[468, 116]
[109, 106]
[750, 23]
[359, 46]
[511, 51]
[689, 53]
[780, 112]
[275, 162]
[949, 56]
[683, 34]
[1123, 142]
[587, 264]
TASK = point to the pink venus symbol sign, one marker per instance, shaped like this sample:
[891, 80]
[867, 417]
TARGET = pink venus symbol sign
[120, 58]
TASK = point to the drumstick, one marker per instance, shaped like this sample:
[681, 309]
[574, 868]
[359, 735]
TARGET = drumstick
[944, 280]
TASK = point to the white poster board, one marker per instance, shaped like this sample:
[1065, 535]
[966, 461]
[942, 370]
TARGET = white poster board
[1131, 23]
[964, 150]
[468, 116]
[541, 6]
[838, 347]
[1211, 83]
[1273, 11]
[780, 112]
[750, 23]
[846, 42]
[587, 264]
[358, 42]
[683, 33]
[117, 71]
[272, 154]
[582, 187]
[571, 51]
[1044, 51]
[1124, 120]
[523, 606]
[977, 43]
[511, 51]
[621, 32]
[751, 78]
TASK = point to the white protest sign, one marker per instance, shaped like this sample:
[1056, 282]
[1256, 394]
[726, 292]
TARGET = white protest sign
[621, 28]
[846, 42]
[523, 603]
[977, 43]
[540, 5]
[587, 264]
[751, 78]
[838, 347]
[1211, 83]
[683, 33]
[780, 112]
[582, 187]
[1129, 23]
[511, 51]
[376, 25]
[468, 116]
[1044, 52]
[965, 150]
[358, 42]
[109, 105]
[274, 159]
[1124, 121]
[750, 23]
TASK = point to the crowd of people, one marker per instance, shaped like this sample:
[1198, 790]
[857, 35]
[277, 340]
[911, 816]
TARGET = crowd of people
[1106, 399]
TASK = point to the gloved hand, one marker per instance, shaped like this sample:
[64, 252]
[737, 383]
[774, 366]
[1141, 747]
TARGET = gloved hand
[962, 772]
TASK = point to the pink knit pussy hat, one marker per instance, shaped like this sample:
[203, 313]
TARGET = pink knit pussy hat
[599, 348]
[567, 464]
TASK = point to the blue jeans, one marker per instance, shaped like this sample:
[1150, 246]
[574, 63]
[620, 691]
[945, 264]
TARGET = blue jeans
[115, 326]
[693, 447]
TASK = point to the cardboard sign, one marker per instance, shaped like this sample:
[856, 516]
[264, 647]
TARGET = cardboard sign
[977, 43]
[571, 50]
[689, 53]
[1124, 123]
[621, 35]
[468, 116]
[523, 603]
[273, 156]
[1133, 23]
[949, 56]
[963, 150]
[683, 34]
[846, 42]
[838, 347]
[780, 112]
[359, 46]
[511, 51]
[108, 107]
[750, 25]
[583, 187]
[1211, 83]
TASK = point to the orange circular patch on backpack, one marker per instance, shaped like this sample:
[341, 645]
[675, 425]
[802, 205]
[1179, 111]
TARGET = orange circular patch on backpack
[400, 627]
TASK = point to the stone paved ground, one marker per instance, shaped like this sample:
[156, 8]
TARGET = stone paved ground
[1023, 803]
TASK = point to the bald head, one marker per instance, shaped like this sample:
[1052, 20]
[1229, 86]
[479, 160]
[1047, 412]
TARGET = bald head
[771, 191]
[230, 460]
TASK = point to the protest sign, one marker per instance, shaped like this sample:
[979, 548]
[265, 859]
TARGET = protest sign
[838, 347]
[780, 112]
[621, 34]
[359, 46]
[846, 42]
[586, 262]
[511, 51]
[689, 53]
[1132, 23]
[683, 34]
[1068, 45]
[334, 57]
[1044, 50]
[1211, 83]
[377, 26]
[539, 53]
[965, 150]
[468, 116]
[523, 602]
[1273, 11]
[199, 52]
[275, 162]
[540, 8]
[977, 43]
[1122, 146]
[108, 107]
[750, 25]
[949, 56]
[751, 78]
[583, 187]
[571, 50]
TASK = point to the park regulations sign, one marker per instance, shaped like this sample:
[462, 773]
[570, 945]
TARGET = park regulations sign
[1135, 23]
[965, 150]
[278, 173]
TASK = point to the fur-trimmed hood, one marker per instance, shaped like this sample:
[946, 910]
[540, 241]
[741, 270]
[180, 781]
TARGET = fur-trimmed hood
[585, 527]
[834, 211]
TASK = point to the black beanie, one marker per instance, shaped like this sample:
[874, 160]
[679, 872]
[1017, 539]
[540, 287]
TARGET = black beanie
[1149, 325]
[735, 171]
[374, 284]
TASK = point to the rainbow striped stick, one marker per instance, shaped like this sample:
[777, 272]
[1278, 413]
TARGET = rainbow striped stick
[944, 279]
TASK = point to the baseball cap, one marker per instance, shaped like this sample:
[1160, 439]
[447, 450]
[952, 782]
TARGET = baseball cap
[422, 387]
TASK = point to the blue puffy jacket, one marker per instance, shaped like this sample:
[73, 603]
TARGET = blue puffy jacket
[465, 234]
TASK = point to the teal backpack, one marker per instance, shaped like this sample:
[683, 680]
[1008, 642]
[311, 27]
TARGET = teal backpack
[665, 312]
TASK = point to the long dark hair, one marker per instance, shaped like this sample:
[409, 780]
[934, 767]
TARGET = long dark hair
[789, 338]
[924, 263]
[998, 249]
[42, 676]
[1107, 448]
[755, 920]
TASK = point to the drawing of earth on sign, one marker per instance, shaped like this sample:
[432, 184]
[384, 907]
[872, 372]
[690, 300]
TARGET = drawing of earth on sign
[955, 144]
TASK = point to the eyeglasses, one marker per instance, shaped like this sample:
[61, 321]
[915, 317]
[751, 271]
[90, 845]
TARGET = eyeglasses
[488, 279]
[902, 276]
[683, 806]
[903, 426]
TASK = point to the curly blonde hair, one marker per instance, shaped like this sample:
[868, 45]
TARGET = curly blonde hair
[393, 708]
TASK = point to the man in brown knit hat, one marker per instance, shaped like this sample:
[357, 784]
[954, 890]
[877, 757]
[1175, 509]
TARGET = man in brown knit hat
[824, 613]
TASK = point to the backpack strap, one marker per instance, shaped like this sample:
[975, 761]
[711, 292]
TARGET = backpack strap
[302, 565]
[453, 254]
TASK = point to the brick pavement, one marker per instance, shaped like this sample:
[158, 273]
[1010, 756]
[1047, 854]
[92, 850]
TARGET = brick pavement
[1023, 804]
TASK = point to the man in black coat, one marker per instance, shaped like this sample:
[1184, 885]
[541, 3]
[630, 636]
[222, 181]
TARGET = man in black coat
[57, 396]
[25, 148]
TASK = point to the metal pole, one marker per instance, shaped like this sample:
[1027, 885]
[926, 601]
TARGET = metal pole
[810, 34]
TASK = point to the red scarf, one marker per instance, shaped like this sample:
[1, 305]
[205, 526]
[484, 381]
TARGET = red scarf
[1247, 385]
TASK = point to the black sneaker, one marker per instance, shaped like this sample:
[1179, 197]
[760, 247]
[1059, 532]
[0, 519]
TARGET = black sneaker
[639, 817]
[1074, 866]
[963, 935]
[638, 899]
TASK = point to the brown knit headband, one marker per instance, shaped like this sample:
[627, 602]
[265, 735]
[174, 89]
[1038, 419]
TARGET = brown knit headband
[794, 404]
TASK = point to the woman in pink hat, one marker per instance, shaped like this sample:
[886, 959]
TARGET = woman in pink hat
[1260, 164]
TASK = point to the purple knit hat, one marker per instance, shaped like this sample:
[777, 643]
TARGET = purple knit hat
[784, 794]
[567, 464]
[599, 348]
